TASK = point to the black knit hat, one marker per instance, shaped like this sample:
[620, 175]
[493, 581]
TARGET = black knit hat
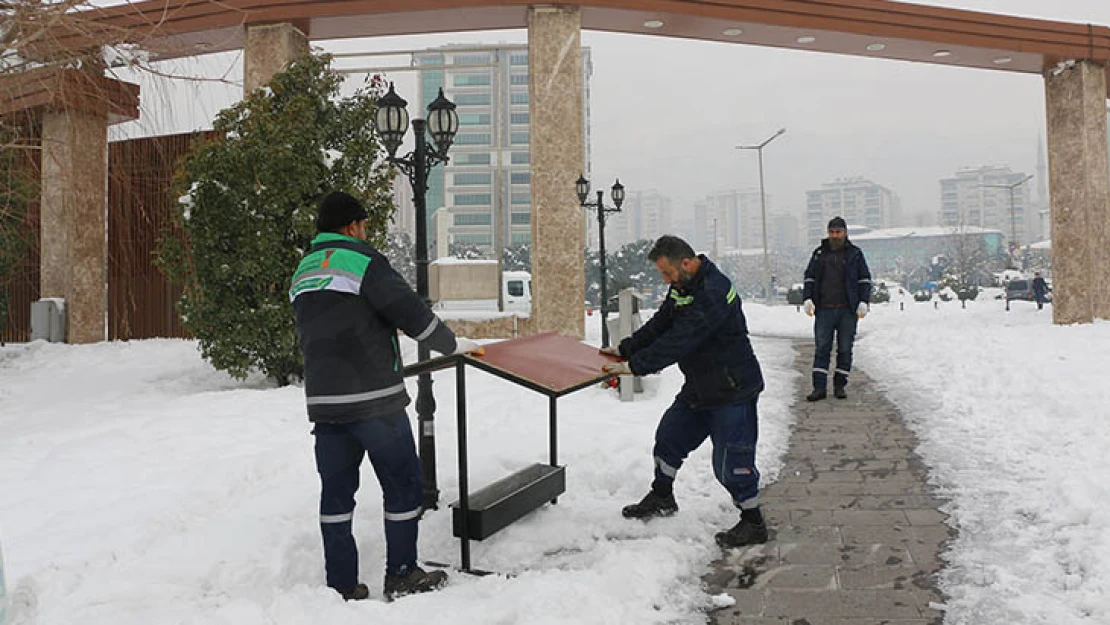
[338, 209]
[837, 223]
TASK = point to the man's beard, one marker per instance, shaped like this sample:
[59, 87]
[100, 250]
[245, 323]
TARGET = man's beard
[684, 278]
[836, 244]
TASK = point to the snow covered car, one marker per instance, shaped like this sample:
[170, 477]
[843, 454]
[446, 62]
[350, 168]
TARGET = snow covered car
[1023, 290]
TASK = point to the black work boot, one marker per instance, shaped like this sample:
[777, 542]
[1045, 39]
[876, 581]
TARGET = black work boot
[652, 505]
[840, 381]
[358, 593]
[751, 530]
[839, 392]
[817, 394]
[416, 580]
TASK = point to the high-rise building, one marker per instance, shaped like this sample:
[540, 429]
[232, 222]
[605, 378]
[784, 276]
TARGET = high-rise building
[976, 196]
[489, 174]
[858, 200]
[731, 220]
[644, 215]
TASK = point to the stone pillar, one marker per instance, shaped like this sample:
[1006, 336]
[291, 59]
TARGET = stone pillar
[1079, 179]
[558, 158]
[268, 50]
[74, 230]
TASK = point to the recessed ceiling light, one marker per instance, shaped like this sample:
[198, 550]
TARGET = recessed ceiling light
[940, 54]
[653, 24]
[875, 47]
[732, 32]
[807, 39]
[1002, 60]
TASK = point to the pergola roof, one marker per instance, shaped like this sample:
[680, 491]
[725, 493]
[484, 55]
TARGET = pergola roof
[871, 28]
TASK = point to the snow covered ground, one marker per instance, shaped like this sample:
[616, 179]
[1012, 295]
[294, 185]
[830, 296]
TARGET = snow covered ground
[140, 486]
[137, 485]
[1013, 416]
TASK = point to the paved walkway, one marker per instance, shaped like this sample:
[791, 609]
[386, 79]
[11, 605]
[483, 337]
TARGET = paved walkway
[855, 531]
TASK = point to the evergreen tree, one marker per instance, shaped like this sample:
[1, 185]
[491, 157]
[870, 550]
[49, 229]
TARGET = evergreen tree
[248, 206]
[399, 249]
[517, 258]
[17, 189]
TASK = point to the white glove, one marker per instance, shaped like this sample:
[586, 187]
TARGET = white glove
[467, 346]
[617, 368]
[611, 351]
[808, 307]
[862, 310]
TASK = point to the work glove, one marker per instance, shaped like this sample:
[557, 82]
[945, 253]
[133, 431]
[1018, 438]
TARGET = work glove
[862, 310]
[808, 307]
[611, 351]
[467, 346]
[617, 368]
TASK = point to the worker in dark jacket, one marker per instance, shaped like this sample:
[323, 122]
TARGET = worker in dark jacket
[701, 327]
[838, 291]
[1040, 290]
[349, 305]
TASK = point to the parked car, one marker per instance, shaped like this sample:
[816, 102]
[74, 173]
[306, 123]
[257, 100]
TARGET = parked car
[1023, 290]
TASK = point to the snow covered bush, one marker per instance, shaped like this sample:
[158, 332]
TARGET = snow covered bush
[248, 211]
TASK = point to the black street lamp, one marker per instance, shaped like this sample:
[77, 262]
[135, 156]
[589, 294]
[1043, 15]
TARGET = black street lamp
[391, 120]
[583, 188]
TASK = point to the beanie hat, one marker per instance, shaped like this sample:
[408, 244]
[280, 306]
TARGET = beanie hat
[837, 223]
[338, 209]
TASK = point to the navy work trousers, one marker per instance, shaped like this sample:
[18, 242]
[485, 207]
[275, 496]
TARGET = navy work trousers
[842, 322]
[339, 450]
[734, 431]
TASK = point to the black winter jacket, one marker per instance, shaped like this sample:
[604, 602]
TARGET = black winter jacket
[349, 304]
[857, 277]
[702, 328]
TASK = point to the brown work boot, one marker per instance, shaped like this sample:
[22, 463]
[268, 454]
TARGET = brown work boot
[358, 593]
[415, 581]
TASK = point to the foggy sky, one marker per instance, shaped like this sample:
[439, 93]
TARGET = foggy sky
[667, 113]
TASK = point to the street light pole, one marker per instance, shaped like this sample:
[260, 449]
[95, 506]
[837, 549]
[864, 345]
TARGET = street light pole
[391, 122]
[1013, 217]
[582, 186]
[763, 211]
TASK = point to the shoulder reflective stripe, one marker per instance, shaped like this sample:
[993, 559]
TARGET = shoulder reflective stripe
[336, 518]
[334, 258]
[680, 300]
[329, 271]
[731, 297]
[428, 331]
[354, 398]
[330, 282]
[403, 516]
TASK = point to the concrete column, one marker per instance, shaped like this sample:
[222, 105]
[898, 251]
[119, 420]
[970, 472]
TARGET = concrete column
[1079, 179]
[268, 50]
[558, 158]
[74, 230]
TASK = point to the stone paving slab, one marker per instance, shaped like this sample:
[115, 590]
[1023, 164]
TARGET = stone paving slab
[856, 531]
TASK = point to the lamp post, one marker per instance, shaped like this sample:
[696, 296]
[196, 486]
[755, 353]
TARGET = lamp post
[1013, 217]
[763, 210]
[617, 191]
[391, 120]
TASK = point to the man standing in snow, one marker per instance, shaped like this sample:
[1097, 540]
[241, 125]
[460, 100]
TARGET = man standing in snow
[701, 327]
[1040, 288]
[349, 304]
[838, 291]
